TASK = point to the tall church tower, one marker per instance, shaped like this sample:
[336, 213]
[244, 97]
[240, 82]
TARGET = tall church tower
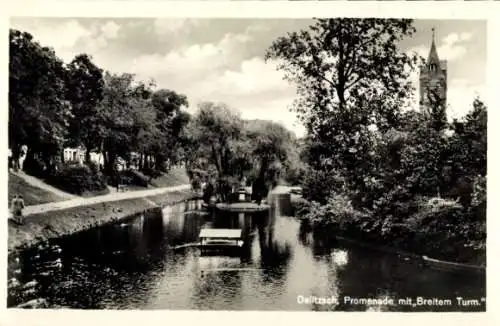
[433, 79]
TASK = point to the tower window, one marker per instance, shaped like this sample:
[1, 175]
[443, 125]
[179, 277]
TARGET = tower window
[433, 67]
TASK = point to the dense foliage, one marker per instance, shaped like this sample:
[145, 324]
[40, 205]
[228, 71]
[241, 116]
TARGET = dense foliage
[375, 168]
[231, 149]
[79, 179]
[53, 105]
[38, 109]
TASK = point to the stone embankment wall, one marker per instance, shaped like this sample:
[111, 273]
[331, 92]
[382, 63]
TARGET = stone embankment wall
[49, 225]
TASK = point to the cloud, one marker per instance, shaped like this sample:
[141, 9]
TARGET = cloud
[179, 68]
[451, 47]
[165, 26]
[110, 30]
[461, 94]
[211, 66]
[69, 37]
[453, 38]
[253, 77]
[60, 36]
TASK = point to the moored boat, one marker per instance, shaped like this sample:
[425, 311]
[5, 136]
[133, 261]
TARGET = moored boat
[452, 266]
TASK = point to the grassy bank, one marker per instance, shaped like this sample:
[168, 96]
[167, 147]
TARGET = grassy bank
[443, 231]
[174, 177]
[32, 195]
[44, 226]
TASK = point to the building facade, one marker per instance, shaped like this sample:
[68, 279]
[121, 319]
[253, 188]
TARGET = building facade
[78, 155]
[433, 80]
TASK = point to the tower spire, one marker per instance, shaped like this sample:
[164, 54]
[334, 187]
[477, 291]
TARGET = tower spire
[433, 58]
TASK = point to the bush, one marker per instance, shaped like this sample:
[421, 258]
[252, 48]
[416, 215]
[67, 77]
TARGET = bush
[300, 206]
[478, 200]
[135, 178]
[320, 185]
[78, 179]
[443, 228]
[36, 167]
[338, 214]
[196, 183]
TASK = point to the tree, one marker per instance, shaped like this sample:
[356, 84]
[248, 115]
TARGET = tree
[473, 133]
[466, 154]
[351, 77]
[118, 118]
[437, 117]
[85, 91]
[216, 128]
[38, 110]
[271, 147]
[169, 123]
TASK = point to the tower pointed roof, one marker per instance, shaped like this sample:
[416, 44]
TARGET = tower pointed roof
[433, 56]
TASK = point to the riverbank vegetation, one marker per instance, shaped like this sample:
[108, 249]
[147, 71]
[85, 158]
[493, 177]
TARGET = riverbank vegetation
[378, 171]
[234, 152]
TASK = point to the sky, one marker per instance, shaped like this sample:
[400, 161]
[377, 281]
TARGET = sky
[222, 60]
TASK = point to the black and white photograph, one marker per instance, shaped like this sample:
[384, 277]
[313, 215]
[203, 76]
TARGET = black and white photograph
[247, 164]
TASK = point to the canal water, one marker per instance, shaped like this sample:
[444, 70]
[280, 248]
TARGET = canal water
[135, 265]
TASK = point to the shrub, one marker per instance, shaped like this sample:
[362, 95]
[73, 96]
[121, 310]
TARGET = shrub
[443, 228]
[397, 203]
[300, 206]
[36, 167]
[132, 177]
[478, 200]
[196, 183]
[78, 179]
[319, 185]
[94, 167]
[338, 214]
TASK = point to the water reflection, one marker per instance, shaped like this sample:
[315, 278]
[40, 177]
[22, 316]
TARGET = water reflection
[132, 265]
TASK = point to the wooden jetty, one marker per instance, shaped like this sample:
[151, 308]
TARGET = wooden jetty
[220, 241]
[242, 207]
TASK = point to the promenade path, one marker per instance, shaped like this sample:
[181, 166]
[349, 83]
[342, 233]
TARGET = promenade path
[85, 201]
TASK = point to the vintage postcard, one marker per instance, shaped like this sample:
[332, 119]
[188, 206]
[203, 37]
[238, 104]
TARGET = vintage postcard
[248, 162]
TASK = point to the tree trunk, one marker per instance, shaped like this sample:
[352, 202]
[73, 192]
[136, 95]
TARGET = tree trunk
[111, 162]
[216, 159]
[87, 153]
[105, 159]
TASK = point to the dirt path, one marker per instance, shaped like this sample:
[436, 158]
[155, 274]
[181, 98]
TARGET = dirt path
[35, 182]
[115, 196]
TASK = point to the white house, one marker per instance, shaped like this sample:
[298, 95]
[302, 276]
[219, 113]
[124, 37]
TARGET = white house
[78, 155]
[74, 154]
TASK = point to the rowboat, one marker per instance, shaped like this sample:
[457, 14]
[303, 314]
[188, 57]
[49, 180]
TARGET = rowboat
[452, 266]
